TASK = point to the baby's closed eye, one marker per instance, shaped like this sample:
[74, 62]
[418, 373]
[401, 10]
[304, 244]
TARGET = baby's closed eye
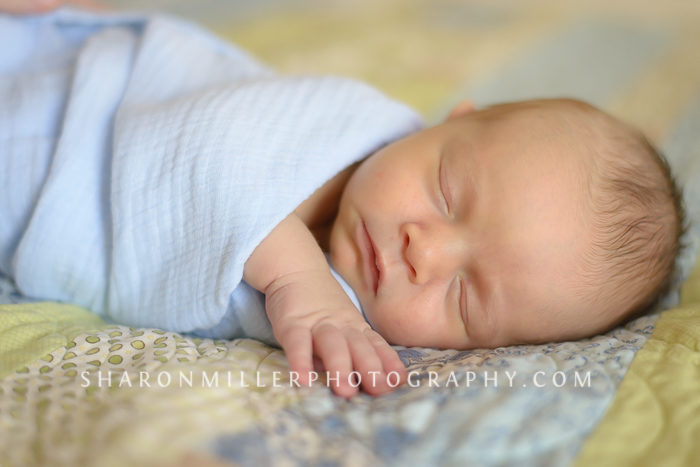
[444, 189]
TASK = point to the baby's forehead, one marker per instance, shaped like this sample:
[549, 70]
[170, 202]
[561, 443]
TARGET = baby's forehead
[543, 107]
[555, 128]
[550, 119]
[549, 141]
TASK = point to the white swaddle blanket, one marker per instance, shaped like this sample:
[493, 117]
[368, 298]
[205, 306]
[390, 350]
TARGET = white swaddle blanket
[144, 160]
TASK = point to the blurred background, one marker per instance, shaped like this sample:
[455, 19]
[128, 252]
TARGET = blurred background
[639, 60]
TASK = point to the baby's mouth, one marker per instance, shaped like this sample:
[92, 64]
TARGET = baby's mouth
[370, 264]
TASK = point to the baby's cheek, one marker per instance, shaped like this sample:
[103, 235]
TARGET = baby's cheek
[374, 317]
[388, 323]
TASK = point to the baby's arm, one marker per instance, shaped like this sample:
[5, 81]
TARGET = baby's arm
[312, 315]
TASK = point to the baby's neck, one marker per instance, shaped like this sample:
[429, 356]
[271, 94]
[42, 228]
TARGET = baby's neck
[319, 211]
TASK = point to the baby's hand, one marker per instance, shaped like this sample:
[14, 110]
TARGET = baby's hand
[312, 315]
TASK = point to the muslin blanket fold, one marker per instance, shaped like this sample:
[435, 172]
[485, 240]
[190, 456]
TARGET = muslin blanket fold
[145, 160]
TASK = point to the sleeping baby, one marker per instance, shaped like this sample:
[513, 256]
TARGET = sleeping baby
[521, 223]
[160, 177]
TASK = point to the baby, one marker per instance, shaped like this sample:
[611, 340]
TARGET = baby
[520, 223]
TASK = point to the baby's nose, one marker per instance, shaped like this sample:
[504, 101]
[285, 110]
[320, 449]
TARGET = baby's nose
[431, 252]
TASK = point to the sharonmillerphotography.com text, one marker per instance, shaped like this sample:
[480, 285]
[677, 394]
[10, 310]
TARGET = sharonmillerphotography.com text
[416, 379]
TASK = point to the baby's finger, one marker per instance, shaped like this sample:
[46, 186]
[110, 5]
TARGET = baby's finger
[332, 348]
[318, 365]
[391, 362]
[366, 361]
[297, 345]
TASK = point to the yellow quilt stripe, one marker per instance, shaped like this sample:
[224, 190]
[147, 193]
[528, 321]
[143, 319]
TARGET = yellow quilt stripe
[29, 331]
[655, 416]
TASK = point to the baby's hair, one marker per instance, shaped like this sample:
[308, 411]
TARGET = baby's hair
[638, 219]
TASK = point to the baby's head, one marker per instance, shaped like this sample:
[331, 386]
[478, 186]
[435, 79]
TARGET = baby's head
[522, 223]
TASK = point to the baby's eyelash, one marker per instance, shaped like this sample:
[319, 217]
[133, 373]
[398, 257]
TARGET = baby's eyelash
[442, 190]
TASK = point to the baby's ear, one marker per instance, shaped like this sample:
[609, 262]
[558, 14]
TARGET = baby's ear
[461, 109]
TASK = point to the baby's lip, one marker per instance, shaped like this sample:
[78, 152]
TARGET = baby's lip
[371, 260]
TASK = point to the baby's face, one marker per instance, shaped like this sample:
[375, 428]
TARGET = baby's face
[467, 234]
